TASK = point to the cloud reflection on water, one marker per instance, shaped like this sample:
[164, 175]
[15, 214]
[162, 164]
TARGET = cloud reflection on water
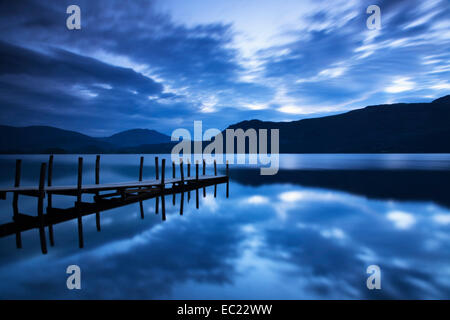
[272, 241]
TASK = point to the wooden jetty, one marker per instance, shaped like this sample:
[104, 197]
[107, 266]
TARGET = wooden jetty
[105, 196]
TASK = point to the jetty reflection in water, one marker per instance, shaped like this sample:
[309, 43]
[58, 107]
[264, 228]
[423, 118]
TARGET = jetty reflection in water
[300, 234]
[106, 196]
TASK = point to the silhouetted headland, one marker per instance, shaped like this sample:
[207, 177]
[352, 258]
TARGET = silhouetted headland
[394, 128]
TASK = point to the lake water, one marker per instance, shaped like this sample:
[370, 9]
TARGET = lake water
[309, 232]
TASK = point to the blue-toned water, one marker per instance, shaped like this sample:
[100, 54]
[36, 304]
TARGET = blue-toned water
[309, 232]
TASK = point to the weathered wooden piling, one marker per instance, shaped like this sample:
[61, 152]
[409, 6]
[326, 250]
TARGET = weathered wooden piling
[16, 201]
[163, 198]
[182, 187]
[228, 179]
[141, 174]
[196, 190]
[157, 178]
[215, 174]
[40, 208]
[204, 173]
[181, 171]
[141, 169]
[49, 199]
[78, 203]
[97, 181]
[196, 170]
[173, 169]
[173, 176]
[157, 168]
[189, 175]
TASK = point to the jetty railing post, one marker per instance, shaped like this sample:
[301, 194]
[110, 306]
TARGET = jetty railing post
[173, 184]
[97, 181]
[141, 174]
[157, 178]
[215, 174]
[16, 202]
[204, 173]
[182, 187]
[40, 208]
[181, 171]
[197, 186]
[173, 169]
[157, 168]
[163, 200]
[78, 204]
[49, 199]
[141, 169]
[196, 170]
[228, 179]
[189, 175]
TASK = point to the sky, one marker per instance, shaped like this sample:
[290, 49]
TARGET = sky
[164, 64]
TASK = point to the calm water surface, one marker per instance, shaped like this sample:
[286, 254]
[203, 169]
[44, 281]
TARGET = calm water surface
[307, 233]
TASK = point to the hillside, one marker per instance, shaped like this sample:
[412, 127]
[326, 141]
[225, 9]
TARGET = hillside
[403, 128]
[395, 128]
[45, 139]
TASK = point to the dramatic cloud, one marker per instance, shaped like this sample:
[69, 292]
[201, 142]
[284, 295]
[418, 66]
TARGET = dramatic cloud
[164, 64]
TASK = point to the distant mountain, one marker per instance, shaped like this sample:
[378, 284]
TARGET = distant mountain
[395, 128]
[402, 128]
[44, 139]
[36, 138]
[136, 137]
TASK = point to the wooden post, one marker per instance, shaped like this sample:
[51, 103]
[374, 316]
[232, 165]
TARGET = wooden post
[181, 171]
[215, 174]
[189, 175]
[196, 170]
[204, 173]
[16, 202]
[189, 169]
[49, 199]
[173, 169]
[97, 181]
[196, 188]
[228, 180]
[141, 169]
[173, 184]
[163, 171]
[141, 173]
[40, 210]
[163, 200]
[227, 169]
[97, 169]
[157, 178]
[78, 204]
[163, 207]
[182, 187]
